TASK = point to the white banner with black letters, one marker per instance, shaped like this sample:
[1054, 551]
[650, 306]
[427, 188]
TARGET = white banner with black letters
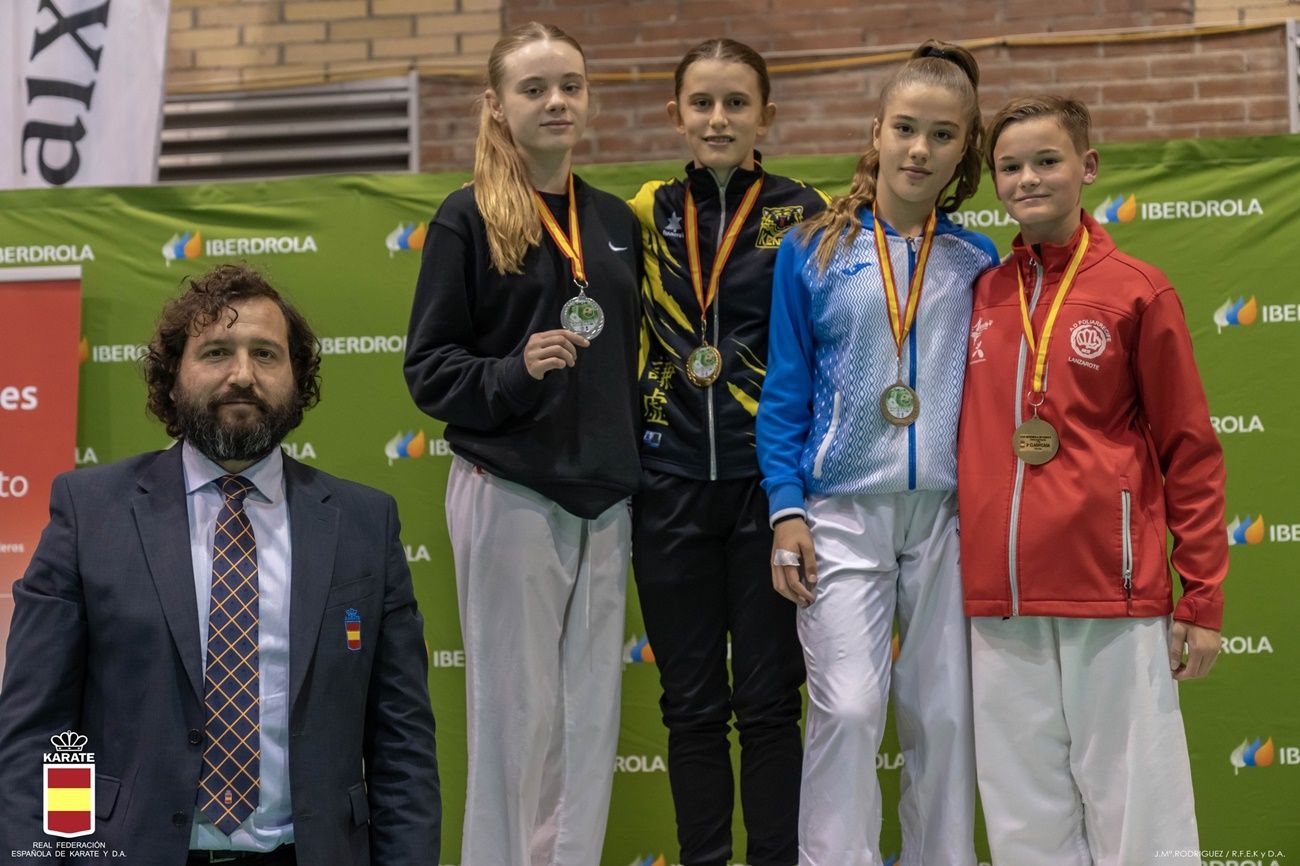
[81, 90]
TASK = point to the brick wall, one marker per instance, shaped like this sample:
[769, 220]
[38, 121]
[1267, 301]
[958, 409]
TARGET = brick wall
[651, 28]
[229, 44]
[448, 123]
[1206, 85]
[1245, 11]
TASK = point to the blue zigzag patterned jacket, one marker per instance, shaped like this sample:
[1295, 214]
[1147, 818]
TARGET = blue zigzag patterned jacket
[831, 354]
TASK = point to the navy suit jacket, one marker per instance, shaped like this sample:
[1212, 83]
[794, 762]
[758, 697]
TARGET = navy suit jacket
[105, 642]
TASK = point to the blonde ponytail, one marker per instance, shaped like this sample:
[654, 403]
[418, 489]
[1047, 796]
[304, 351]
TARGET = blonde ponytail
[504, 193]
[503, 188]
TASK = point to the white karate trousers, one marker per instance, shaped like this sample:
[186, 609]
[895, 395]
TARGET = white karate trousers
[541, 612]
[1079, 742]
[878, 556]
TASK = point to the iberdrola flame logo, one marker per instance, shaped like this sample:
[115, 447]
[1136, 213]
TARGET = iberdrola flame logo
[638, 651]
[1248, 531]
[405, 446]
[1116, 210]
[1251, 754]
[407, 236]
[650, 860]
[1234, 313]
[182, 247]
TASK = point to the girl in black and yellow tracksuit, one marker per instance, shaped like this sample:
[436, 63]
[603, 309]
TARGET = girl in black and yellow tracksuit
[701, 539]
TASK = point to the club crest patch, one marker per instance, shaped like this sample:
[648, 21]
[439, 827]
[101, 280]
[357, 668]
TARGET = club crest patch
[1089, 338]
[775, 223]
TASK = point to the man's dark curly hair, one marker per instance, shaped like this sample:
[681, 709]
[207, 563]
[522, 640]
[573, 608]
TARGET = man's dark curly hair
[205, 299]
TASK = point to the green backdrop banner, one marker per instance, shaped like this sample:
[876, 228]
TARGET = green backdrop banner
[1220, 217]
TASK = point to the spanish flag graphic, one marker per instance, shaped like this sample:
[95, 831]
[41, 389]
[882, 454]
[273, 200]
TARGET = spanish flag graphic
[352, 628]
[69, 800]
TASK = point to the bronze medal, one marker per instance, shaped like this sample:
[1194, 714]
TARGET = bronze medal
[1035, 441]
[900, 405]
[704, 365]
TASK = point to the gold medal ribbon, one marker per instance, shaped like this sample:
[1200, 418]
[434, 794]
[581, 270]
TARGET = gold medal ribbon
[902, 325]
[1039, 345]
[570, 245]
[724, 249]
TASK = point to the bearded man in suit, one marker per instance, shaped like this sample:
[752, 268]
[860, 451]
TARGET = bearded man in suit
[232, 633]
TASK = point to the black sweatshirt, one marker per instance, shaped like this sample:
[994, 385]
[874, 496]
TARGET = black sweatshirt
[572, 436]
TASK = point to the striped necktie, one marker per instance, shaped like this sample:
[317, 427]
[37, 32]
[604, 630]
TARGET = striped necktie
[229, 782]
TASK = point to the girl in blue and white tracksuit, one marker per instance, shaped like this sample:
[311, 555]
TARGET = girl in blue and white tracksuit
[857, 433]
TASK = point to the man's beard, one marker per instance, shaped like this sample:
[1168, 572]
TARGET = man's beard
[253, 439]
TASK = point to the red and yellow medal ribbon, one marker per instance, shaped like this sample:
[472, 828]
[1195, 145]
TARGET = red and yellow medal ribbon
[901, 325]
[570, 245]
[1039, 345]
[692, 227]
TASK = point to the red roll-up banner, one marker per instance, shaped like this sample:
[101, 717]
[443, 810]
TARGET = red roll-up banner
[40, 326]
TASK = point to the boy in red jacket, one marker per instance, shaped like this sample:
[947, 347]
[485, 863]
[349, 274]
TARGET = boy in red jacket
[1085, 438]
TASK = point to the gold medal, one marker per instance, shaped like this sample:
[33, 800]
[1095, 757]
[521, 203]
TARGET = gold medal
[900, 405]
[1035, 441]
[704, 365]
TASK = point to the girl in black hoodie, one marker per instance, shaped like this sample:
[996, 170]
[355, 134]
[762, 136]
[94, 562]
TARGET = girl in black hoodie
[523, 339]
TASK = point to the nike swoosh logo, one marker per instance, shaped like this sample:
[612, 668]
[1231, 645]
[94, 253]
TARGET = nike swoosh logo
[617, 249]
[860, 266]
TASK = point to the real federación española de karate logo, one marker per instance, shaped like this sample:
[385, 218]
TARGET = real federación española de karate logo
[69, 787]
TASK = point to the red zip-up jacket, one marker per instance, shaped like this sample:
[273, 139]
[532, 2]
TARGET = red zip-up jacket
[1084, 535]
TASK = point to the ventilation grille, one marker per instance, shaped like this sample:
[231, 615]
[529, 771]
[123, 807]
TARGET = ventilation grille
[358, 126]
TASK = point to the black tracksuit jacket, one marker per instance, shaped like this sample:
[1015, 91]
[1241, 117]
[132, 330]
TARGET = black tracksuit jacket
[689, 431]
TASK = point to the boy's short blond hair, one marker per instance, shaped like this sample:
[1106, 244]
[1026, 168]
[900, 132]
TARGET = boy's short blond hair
[1070, 113]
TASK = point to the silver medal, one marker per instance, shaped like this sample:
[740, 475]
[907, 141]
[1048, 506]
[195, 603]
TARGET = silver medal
[582, 315]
